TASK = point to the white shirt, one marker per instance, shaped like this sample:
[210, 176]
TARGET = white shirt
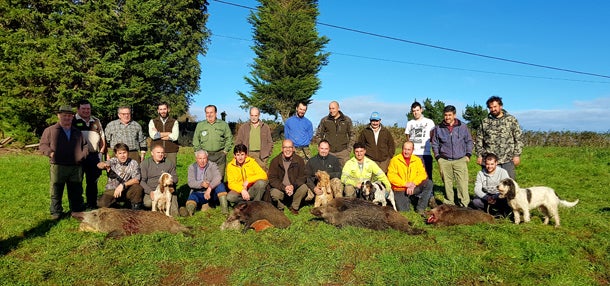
[419, 134]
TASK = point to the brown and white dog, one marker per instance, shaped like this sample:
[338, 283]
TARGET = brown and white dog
[377, 193]
[324, 184]
[523, 200]
[163, 194]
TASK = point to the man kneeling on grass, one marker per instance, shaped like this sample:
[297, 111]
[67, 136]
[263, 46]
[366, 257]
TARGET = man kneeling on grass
[287, 178]
[206, 185]
[246, 179]
[123, 179]
[409, 180]
[152, 168]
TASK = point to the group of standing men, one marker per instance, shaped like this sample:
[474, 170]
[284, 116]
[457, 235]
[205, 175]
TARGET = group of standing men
[77, 146]
[288, 178]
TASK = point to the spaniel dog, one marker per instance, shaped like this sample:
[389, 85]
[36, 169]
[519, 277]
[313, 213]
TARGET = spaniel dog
[523, 200]
[324, 185]
[163, 194]
[377, 193]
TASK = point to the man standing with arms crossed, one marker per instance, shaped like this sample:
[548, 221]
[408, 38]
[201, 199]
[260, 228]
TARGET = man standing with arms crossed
[93, 132]
[164, 130]
[300, 130]
[214, 136]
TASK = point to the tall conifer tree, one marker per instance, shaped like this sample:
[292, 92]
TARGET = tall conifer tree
[289, 55]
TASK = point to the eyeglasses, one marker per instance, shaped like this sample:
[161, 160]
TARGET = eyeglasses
[287, 147]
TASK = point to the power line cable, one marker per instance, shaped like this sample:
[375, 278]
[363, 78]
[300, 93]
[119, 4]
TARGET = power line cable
[433, 66]
[437, 47]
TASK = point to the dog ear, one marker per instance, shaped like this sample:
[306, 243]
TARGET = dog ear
[512, 189]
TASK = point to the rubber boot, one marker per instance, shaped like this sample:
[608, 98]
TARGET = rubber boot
[224, 204]
[190, 207]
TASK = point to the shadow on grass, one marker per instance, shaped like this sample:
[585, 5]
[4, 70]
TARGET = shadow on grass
[183, 192]
[605, 209]
[8, 245]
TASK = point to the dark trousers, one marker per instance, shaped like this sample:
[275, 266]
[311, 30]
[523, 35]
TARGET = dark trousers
[133, 194]
[92, 173]
[220, 158]
[69, 176]
[427, 160]
[423, 193]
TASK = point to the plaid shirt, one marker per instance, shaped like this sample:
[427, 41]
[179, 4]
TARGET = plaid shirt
[122, 172]
[130, 134]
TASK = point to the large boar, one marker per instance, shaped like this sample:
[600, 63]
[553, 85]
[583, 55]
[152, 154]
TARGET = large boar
[357, 212]
[121, 222]
[445, 215]
[257, 215]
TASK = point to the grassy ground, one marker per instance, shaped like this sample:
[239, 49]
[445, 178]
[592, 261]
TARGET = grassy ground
[35, 250]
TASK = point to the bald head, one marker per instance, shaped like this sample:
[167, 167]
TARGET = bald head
[333, 109]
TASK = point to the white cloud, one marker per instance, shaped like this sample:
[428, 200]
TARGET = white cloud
[590, 115]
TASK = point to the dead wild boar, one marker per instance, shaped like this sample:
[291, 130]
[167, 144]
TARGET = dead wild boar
[253, 215]
[446, 215]
[122, 222]
[360, 213]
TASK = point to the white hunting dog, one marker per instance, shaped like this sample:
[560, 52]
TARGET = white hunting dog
[377, 193]
[163, 194]
[523, 200]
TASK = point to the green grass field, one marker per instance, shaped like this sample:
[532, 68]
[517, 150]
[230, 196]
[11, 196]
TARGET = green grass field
[37, 251]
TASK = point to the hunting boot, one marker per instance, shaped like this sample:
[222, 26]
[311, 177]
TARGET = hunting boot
[190, 207]
[205, 207]
[224, 204]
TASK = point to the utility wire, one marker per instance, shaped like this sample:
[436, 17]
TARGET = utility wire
[432, 66]
[435, 46]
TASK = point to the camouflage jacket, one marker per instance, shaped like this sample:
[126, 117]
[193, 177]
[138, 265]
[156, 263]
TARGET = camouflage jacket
[501, 136]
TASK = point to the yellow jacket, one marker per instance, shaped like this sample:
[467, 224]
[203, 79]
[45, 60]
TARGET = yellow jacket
[400, 174]
[250, 171]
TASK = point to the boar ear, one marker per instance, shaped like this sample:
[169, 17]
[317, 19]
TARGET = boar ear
[241, 206]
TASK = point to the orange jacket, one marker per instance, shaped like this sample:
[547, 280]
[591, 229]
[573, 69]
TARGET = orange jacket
[400, 174]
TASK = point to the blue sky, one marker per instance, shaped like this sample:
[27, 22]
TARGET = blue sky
[368, 73]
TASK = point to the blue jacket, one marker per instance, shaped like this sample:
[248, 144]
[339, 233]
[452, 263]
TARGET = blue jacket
[299, 130]
[451, 145]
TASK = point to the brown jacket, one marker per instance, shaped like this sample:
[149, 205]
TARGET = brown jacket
[296, 172]
[243, 137]
[339, 132]
[385, 147]
[65, 152]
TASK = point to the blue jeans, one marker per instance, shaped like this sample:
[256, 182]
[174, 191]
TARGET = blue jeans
[197, 194]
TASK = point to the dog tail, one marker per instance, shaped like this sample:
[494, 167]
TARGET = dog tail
[568, 204]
